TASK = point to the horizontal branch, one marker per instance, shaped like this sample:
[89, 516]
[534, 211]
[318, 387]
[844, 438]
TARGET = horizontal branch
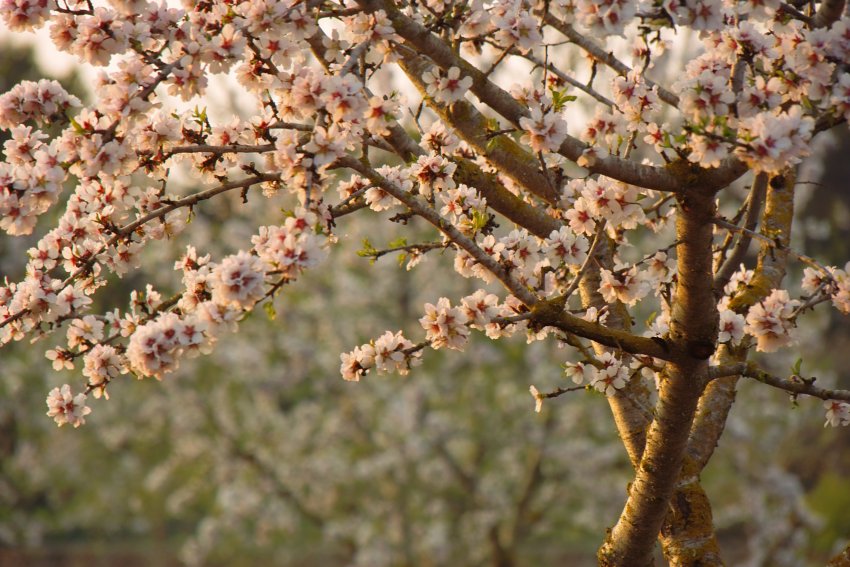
[218, 150]
[551, 314]
[795, 385]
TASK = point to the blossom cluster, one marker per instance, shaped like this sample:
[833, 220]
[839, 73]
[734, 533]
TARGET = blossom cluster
[607, 374]
[41, 102]
[446, 88]
[215, 297]
[445, 326]
[770, 321]
[836, 285]
[64, 407]
[390, 352]
[595, 200]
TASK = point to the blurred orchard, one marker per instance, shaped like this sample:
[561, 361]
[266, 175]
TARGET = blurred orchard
[428, 283]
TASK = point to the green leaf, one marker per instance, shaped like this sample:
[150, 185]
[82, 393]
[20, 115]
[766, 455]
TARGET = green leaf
[368, 250]
[479, 219]
[560, 99]
[77, 127]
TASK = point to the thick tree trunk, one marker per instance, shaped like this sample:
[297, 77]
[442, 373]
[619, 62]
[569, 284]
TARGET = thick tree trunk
[693, 333]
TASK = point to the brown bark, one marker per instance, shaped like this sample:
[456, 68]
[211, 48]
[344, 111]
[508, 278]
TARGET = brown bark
[687, 535]
[693, 332]
[629, 406]
[770, 270]
[842, 559]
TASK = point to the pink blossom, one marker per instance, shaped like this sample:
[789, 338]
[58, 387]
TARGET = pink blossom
[837, 413]
[446, 88]
[626, 285]
[611, 377]
[445, 326]
[543, 131]
[769, 321]
[64, 407]
[238, 280]
[731, 327]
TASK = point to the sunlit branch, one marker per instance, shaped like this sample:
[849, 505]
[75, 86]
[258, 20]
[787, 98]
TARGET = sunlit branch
[498, 197]
[413, 203]
[796, 385]
[218, 150]
[529, 56]
[505, 154]
[502, 102]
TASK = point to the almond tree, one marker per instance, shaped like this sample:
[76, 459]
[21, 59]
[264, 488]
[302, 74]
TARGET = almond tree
[578, 229]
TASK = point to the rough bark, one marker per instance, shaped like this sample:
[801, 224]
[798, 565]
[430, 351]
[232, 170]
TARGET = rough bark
[687, 535]
[629, 406]
[842, 559]
[719, 396]
[693, 332]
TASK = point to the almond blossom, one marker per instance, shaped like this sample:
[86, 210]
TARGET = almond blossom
[837, 413]
[64, 407]
[544, 131]
[238, 280]
[731, 327]
[445, 326]
[446, 88]
[769, 321]
[611, 377]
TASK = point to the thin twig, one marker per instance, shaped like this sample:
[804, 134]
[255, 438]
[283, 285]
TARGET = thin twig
[808, 260]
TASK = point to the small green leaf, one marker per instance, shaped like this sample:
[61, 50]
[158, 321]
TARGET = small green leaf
[77, 127]
[271, 312]
[479, 219]
[560, 99]
[368, 250]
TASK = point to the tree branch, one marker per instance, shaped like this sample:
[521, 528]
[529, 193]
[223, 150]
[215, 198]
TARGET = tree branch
[605, 57]
[829, 12]
[502, 102]
[505, 154]
[796, 385]
[730, 266]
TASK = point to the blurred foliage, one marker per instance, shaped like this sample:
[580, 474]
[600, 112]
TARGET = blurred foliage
[830, 499]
